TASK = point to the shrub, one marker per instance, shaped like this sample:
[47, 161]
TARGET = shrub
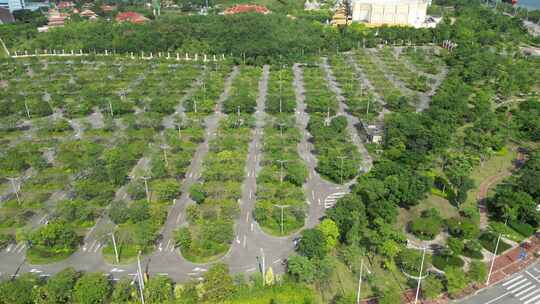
[522, 228]
[443, 261]
[489, 241]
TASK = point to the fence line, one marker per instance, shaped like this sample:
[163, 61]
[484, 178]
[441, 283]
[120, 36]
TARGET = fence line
[132, 55]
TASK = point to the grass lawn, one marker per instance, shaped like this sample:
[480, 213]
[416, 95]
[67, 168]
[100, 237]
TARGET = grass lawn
[501, 162]
[34, 256]
[204, 259]
[346, 282]
[126, 254]
[290, 293]
[444, 207]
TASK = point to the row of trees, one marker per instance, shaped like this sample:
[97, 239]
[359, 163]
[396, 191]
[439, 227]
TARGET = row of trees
[279, 183]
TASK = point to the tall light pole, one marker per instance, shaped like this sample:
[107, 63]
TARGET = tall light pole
[140, 276]
[281, 124]
[164, 147]
[146, 178]
[420, 275]
[115, 249]
[263, 266]
[360, 282]
[281, 162]
[493, 260]
[341, 168]
[282, 207]
[15, 187]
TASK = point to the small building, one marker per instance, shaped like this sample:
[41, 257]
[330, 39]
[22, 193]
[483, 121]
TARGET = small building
[340, 17]
[88, 14]
[247, 8]
[13, 5]
[107, 8]
[6, 16]
[55, 19]
[65, 5]
[132, 17]
[390, 12]
[312, 5]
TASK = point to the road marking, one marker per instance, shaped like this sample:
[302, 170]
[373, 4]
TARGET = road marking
[251, 269]
[9, 247]
[245, 240]
[251, 226]
[512, 280]
[276, 261]
[172, 248]
[160, 246]
[178, 217]
[524, 291]
[247, 217]
[498, 298]
[509, 287]
[168, 243]
[537, 280]
[238, 239]
[521, 287]
[313, 194]
[97, 248]
[250, 193]
[529, 295]
[532, 299]
[21, 249]
[163, 274]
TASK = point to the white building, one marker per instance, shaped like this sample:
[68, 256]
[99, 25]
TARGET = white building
[12, 5]
[391, 12]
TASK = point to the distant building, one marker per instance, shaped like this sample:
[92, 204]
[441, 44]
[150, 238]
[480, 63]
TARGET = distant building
[247, 8]
[55, 19]
[390, 12]
[107, 8]
[312, 5]
[132, 17]
[62, 5]
[90, 14]
[6, 16]
[13, 5]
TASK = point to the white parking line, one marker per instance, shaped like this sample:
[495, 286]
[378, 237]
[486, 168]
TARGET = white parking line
[521, 287]
[178, 217]
[512, 280]
[517, 283]
[97, 248]
[21, 249]
[498, 298]
[529, 295]
[524, 291]
[532, 299]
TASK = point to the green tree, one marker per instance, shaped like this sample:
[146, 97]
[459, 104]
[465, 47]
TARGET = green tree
[331, 233]
[456, 280]
[312, 244]
[432, 287]
[477, 271]
[301, 268]
[123, 292]
[92, 288]
[218, 285]
[58, 288]
[159, 290]
[18, 291]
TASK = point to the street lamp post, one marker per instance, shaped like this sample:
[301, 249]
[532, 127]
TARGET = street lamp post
[493, 260]
[15, 188]
[281, 162]
[420, 275]
[140, 277]
[165, 147]
[360, 282]
[115, 249]
[282, 207]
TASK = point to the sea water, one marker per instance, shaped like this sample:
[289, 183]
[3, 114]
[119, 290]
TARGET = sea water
[530, 4]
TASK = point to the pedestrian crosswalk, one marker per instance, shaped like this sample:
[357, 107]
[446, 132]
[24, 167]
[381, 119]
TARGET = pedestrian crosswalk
[524, 289]
[92, 247]
[166, 246]
[14, 248]
[331, 199]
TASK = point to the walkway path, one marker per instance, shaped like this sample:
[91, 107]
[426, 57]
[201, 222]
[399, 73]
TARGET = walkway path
[352, 121]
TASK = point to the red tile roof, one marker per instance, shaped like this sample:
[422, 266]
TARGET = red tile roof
[246, 8]
[132, 17]
[64, 4]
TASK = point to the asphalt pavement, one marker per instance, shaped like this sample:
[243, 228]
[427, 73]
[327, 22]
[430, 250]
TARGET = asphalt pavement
[520, 288]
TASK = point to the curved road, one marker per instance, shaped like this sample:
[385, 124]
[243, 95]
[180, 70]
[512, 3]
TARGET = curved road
[251, 243]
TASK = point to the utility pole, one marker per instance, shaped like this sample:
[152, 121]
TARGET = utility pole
[263, 266]
[420, 275]
[282, 207]
[165, 147]
[15, 187]
[26, 106]
[110, 109]
[238, 115]
[115, 249]
[140, 276]
[281, 128]
[341, 168]
[360, 282]
[145, 178]
[280, 161]
[493, 260]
